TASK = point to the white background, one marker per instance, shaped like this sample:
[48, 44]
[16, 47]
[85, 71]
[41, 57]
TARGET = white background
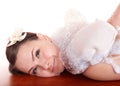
[45, 16]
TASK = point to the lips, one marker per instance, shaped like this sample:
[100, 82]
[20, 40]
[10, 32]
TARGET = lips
[53, 65]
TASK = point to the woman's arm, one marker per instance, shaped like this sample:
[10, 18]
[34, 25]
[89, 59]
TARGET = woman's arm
[115, 18]
[104, 71]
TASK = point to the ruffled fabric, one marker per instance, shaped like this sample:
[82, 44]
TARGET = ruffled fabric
[73, 61]
[116, 48]
[63, 36]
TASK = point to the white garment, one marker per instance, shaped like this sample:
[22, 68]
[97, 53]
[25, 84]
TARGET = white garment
[84, 45]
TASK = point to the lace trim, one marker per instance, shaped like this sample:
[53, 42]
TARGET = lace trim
[116, 48]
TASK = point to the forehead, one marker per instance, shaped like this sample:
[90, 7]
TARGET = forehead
[24, 56]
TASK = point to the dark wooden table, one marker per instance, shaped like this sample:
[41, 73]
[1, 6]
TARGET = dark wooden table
[66, 79]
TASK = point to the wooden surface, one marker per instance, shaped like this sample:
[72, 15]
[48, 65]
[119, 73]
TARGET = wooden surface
[66, 79]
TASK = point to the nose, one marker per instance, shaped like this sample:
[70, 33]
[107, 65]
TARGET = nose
[46, 64]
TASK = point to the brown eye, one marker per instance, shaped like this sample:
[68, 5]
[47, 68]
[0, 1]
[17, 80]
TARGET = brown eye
[37, 54]
[34, 72]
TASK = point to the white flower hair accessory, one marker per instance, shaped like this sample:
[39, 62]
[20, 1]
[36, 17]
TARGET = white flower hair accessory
[16, 36]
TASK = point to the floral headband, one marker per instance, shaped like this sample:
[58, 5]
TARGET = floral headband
[16, 36]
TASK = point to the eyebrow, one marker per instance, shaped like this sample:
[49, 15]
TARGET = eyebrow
[32, 54]
[32, 60]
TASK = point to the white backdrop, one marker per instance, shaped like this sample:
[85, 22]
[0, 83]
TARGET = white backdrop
[45, 16]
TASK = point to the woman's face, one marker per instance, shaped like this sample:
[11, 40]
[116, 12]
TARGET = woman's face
[39, 57]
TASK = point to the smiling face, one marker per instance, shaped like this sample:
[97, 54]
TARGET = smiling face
[39, 57]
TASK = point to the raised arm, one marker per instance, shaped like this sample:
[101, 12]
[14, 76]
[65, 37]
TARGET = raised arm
[115, 18]
[104, 71]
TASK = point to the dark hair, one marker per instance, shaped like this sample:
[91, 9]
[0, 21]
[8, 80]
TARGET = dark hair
[11, 52]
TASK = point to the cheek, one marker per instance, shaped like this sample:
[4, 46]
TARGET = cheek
[59, 66]
[51, 51]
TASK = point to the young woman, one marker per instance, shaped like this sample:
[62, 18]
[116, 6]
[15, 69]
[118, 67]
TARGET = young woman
[82, 48]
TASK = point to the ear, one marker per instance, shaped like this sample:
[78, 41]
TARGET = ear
[41, 36]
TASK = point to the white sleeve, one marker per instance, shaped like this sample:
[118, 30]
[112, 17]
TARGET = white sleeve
[98, 35]
[93, 41]
[90, 45]
[103, 37]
